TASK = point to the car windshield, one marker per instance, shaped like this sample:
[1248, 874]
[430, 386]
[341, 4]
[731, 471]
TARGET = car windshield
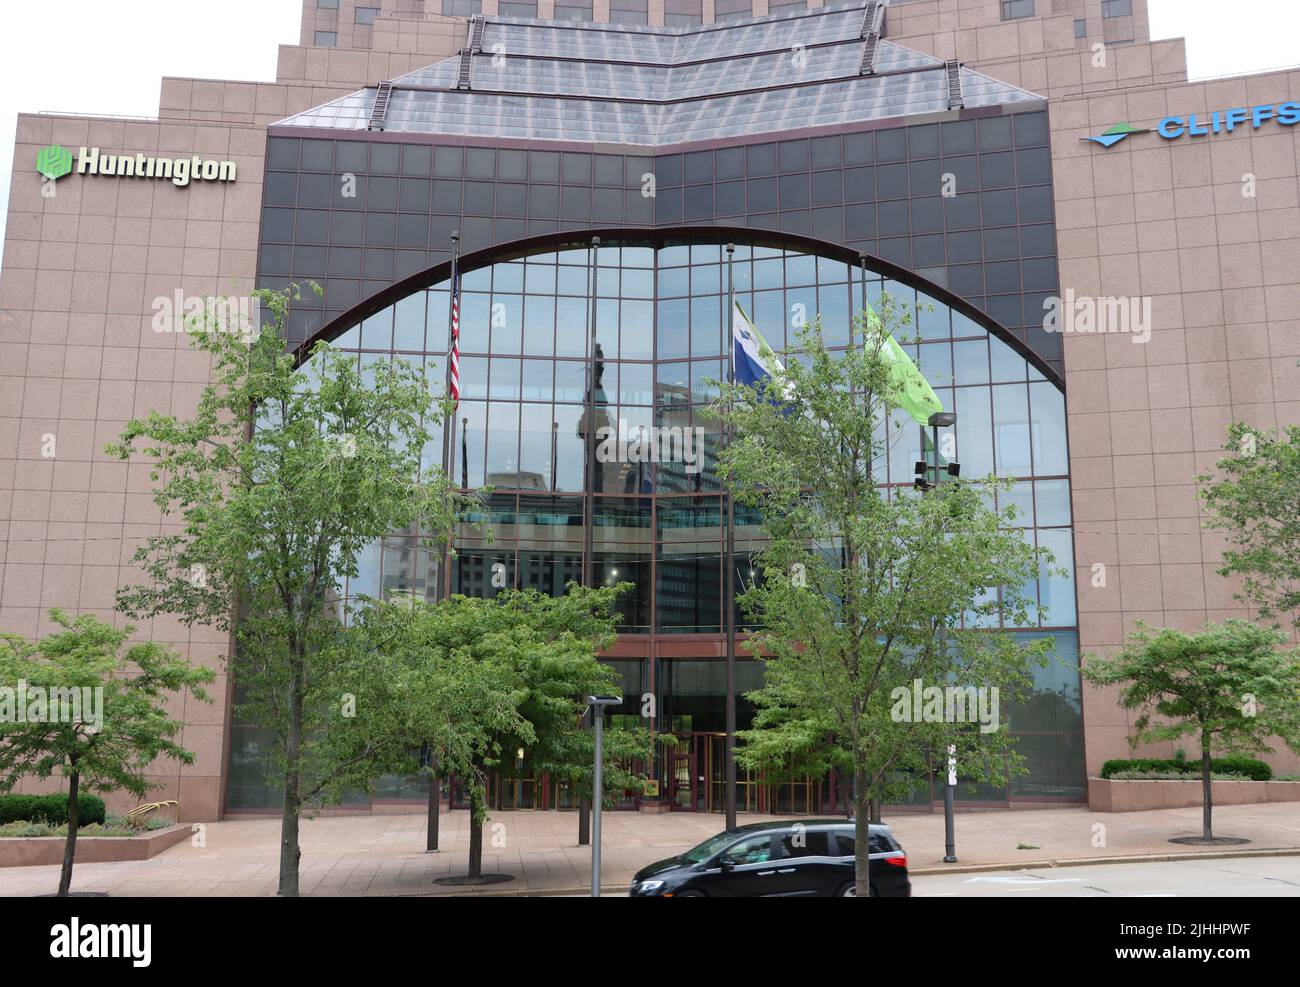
[708, 848]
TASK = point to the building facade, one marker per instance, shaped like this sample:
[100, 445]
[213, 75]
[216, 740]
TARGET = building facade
[988, 161]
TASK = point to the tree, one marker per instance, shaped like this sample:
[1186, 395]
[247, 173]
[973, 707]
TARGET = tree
[491, 677]
[103, 716]
[1256, 500]
[865, 589]
[1229, 685]
[280, 479]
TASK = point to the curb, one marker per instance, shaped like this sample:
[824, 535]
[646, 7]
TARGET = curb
[1133, 858]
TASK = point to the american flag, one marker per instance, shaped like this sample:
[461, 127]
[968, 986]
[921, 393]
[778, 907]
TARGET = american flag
[453, 368]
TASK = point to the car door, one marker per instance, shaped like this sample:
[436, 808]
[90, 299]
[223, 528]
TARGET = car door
[756, 861]
[810, 865]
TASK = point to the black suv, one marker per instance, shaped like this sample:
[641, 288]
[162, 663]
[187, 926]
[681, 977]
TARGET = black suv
[813, 858]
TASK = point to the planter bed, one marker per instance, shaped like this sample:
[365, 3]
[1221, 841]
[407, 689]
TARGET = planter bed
[1106, 795]
[32, 851]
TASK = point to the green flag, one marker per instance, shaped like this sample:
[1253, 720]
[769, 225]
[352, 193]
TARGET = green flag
[909, 389]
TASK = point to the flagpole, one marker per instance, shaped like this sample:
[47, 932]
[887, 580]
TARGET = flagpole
[589, 488]
[729, 590]
[449, 423]
[435, 779]
[589, 437]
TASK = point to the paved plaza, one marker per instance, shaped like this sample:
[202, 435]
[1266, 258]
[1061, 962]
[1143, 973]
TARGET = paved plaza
[384, 854]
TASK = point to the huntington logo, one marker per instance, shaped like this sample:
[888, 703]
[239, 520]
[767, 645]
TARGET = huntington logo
[54, 162]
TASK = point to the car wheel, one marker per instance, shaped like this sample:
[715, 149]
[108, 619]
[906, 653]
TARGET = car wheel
[850, 890]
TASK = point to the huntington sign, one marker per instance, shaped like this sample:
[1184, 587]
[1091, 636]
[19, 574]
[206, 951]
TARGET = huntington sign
[55, 162]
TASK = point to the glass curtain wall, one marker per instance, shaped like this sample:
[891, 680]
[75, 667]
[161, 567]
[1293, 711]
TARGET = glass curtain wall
[661, 322]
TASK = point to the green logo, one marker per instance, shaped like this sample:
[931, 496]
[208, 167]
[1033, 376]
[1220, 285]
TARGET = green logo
[54, 161]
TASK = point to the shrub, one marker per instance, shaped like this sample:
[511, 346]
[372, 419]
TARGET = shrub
[1171, 776]
[52, 809]
[1251, 768]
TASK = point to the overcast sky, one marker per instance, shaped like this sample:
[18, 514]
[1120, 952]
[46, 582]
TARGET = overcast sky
[88, 56]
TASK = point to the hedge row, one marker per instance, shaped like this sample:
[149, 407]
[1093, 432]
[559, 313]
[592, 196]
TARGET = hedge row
[1248, 766]
[52, 809]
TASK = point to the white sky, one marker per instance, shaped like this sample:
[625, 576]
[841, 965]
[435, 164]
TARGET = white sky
[89, 56]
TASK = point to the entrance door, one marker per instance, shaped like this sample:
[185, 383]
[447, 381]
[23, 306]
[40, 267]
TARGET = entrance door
[682, 787]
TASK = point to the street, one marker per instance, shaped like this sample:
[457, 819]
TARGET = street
[1262, 877]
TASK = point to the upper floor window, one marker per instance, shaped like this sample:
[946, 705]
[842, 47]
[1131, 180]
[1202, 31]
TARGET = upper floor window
[1116, 8]
[629, 12]
[515, 9]
[328, 4]
[730, 9]
[781, 6]
[573, 12]
[683, 13]
[462, 8]
[1081, 29]
[327, 39]
[367, 15]
[1015, 9]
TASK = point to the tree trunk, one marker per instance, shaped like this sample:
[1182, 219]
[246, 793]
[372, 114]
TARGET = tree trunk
[1207, 788]
[475, 833]
[290, 852]
[862, 836]
[435, 798]
[876, 808]
[70, 844]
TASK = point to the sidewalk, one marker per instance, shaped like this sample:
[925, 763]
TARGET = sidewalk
[384, 854]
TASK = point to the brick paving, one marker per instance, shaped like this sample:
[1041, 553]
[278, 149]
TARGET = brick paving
[345, 855]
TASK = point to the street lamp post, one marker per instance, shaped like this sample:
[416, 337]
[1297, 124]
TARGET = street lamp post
[942, 419]
[598, 704]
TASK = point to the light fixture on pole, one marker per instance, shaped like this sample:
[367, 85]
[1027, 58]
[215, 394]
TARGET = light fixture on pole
[598, 704]
[940, 419]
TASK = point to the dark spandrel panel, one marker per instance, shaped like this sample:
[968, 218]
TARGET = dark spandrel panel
[385, 159]
[608, 170]
[761, 159]
[859, 149]
[891, 145]
[281, 189]
[998, 207]
[1036, 241]
[317, 155]
[1031, 130]
[283, 153]
[994, 133]
[277, 225]
[352, 157]
[827, 188]
[417, 160]
[1035, 204]
[958, 137]
[927, 215]
[512, 165]
[381, 193]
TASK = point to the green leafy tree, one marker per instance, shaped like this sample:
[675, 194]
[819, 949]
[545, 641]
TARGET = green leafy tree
[864, 589]
[1255, 498]
[105, 712]
[1229, 685]
[491, 677]
[277, 483]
